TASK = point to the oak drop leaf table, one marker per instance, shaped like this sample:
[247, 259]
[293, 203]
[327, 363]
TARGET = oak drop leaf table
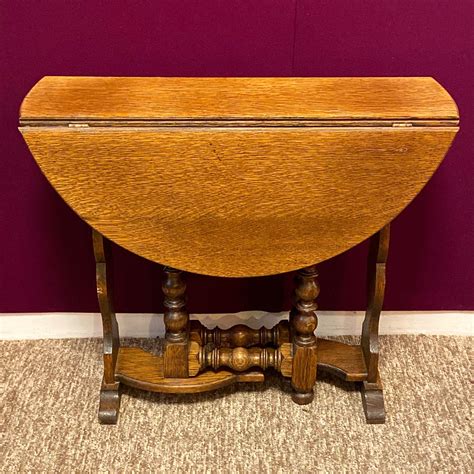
[237, 177]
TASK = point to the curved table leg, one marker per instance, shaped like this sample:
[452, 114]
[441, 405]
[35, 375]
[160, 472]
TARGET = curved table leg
[372, 391]
[303, 321]
[109, 394]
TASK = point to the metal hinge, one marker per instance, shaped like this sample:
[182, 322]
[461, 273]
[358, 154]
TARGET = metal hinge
[78, 125]
[402, 124]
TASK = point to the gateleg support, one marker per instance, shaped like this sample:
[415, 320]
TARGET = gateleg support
[176, 317]
[303, 322]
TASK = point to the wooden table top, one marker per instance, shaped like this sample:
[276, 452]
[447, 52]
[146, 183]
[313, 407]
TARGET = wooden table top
[160, 98]
[238, 176]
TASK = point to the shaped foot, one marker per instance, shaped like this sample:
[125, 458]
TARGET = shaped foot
[109, 404]
[302, 398]
[372, 400]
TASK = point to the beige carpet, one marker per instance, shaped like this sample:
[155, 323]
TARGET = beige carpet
[49, 402]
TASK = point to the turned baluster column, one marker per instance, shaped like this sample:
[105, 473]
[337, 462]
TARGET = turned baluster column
[175, 358]
[303, 321]
[240, 335]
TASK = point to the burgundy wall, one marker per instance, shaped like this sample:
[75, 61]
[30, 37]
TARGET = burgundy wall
[46, 259]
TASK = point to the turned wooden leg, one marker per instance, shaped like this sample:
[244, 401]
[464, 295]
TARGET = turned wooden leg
[109, 394]
[372, 391]
[175, 357]
[303, 322]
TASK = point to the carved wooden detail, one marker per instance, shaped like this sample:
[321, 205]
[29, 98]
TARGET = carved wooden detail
[176, 323]
[109, 395]
[303, 323]
[240, 335]
[372, 401]
[372, 393]
[109, 403]
[376, 262]
[197, 359]
[240, 359]
[144, 370]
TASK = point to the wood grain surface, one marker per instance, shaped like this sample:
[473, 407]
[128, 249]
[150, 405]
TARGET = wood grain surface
[144, 370]
[161, 98]
[240, 335]
[238, 201]
[303, 323]
[343, 360]
[376, 265]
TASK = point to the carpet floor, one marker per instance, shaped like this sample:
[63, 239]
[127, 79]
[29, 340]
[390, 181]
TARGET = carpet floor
[49, 422]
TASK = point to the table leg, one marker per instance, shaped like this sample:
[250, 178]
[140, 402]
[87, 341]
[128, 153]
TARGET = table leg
[109, 394]
[303, 322]
[372, 391]
[175, 358]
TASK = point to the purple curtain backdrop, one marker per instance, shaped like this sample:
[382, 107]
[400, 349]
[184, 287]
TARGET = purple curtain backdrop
[46, 261]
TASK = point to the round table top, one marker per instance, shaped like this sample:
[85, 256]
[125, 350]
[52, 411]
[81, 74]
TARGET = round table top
[236, 198]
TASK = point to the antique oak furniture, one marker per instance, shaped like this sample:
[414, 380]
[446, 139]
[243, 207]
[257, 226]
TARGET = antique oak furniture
[239, 177]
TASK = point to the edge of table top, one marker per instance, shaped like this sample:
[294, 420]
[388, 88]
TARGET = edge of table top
[230, 98]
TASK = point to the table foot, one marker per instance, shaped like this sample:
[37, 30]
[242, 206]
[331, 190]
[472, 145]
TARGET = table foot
[109, 404]
[372, 400]
[302, 398]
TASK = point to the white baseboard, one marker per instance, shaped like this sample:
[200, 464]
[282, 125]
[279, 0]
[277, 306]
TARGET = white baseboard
[331, 323]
